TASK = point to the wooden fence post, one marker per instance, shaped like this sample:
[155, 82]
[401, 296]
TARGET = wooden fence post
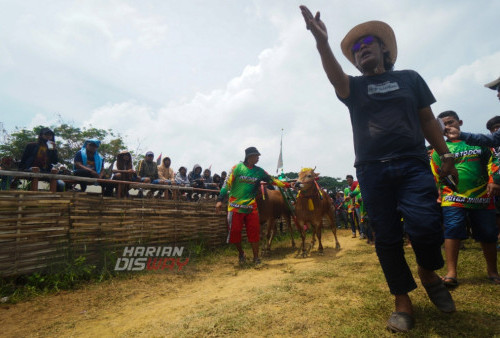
[120, 191]
[53, 181]
[34, 180]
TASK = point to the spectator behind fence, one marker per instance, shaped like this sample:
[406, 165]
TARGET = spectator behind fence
[166, 173]
[88, 162]
[216, 180]
[41, 154]
[195, 178]
[223, 176]
[208, 179]
[122, 170]
[7, 163]
[147, 169]
[181, 177]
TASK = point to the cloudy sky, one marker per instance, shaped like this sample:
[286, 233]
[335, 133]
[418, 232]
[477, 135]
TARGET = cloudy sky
[200, 81]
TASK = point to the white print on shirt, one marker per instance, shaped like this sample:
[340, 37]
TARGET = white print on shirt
[382, 88]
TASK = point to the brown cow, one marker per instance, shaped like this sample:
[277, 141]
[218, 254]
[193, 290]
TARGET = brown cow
[270, 208]
[312, 204]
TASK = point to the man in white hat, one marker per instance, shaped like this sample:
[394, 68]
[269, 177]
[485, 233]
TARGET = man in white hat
[494, 85]
[390, 116]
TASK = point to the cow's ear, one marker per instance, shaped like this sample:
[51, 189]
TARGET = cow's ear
[317, 174]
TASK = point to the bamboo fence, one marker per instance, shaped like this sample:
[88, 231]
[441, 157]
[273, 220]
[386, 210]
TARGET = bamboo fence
[39, 229]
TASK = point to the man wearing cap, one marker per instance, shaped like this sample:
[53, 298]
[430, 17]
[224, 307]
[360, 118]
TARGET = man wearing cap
[88, 162]
[242, 185]
[390, 116]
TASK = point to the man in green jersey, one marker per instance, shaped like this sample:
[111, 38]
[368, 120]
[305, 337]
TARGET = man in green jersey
[242, 185]
[477, 171]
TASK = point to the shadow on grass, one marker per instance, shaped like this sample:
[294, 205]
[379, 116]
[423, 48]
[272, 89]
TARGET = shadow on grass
[463, 323]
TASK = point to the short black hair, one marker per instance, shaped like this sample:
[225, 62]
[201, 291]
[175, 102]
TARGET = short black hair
[491, 122]
[449, 113]
[388, 64]
[349, 176]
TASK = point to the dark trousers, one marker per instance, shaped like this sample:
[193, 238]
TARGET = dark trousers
[406, 185]
[82, 173]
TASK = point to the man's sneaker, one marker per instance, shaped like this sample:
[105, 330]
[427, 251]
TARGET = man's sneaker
[257, 261]
[242, 260]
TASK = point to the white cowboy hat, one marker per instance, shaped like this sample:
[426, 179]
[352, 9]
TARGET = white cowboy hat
[493, 84]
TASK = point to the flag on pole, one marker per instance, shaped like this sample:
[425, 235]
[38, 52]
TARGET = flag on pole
[158, 160]
[280, 159]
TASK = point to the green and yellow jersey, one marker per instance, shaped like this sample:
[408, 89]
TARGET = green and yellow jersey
[476, 168]
[242, 185]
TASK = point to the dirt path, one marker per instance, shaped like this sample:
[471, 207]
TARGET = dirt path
[162, 304]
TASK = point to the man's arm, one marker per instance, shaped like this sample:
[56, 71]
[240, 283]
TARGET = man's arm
[139, 168]
[482, 140]
[432, 133]
[102, 172]
[333, 70]
[228, 184]
[226, 188]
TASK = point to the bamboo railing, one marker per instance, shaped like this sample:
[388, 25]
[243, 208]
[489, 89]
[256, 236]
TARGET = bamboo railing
[35, 177]
[42, 228]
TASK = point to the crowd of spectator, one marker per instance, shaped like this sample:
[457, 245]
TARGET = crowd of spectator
[88, 162]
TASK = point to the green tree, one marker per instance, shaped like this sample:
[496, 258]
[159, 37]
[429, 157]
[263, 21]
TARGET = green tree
[326, 182]
[331, 184]
[14, 144]
[69, 140]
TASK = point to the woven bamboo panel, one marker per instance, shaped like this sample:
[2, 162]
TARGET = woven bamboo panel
[42, 229]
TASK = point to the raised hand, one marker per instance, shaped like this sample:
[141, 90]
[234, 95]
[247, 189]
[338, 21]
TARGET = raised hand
[315, 25]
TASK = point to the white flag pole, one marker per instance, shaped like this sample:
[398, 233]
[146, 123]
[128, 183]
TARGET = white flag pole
[280, 158]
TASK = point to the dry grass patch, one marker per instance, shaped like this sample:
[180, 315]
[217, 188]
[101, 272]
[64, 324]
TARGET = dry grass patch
[340, 293]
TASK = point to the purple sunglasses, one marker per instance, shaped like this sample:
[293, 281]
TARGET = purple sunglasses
[367, 40]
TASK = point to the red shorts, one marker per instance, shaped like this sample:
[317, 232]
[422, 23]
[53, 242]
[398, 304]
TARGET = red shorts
[236, 220]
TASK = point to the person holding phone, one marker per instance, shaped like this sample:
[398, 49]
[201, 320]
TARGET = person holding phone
[391, 118]
[41, 154]
[477, 169]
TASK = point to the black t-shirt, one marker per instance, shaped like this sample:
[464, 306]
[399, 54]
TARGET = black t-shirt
[384, 115]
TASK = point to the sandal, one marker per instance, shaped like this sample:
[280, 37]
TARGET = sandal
[242, 259]
[400, 322]
[440, 296]
[450, 282]
[494, 280]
